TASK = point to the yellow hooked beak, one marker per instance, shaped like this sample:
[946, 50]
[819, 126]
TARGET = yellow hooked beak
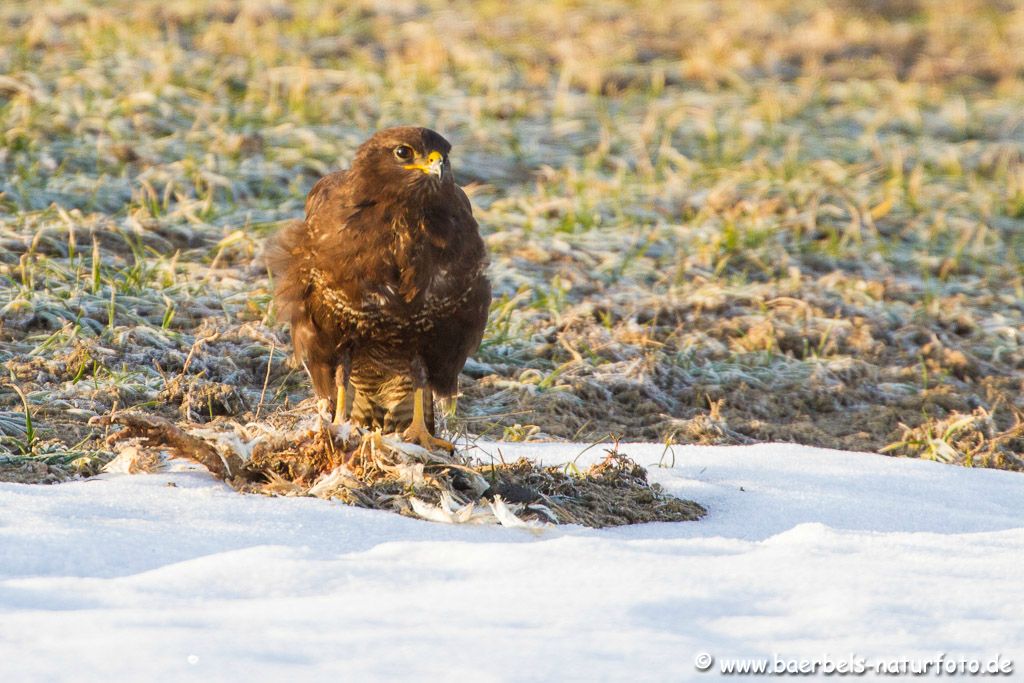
[434, 165]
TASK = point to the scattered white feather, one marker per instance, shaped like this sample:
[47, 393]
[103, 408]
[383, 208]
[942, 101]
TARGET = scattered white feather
[342, 431]
[233, 442]
[450, 512]
[475, 480]
[410, 474]
[336, 479]
[133, 459]
[506, 516]
[413, 450]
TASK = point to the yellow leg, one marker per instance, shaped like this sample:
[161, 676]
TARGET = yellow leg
[340, 412]
[418, 432]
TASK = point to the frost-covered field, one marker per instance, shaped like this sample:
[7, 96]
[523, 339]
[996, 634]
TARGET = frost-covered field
[709, 222]
[805, 553]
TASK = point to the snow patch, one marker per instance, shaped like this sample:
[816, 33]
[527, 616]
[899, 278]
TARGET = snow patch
[173, 575]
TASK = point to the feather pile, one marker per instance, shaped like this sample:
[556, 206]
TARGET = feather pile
[373, 470]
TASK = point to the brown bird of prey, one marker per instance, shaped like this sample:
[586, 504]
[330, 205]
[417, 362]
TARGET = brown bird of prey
[384, 284]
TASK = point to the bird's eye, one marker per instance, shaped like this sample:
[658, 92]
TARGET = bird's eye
[403, 152]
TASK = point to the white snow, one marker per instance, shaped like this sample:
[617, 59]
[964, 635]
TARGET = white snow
[805, 553]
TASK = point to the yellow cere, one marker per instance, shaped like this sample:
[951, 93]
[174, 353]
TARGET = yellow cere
[432, 164]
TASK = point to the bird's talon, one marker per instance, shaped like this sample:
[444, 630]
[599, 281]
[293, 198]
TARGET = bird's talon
[424, 438]
[369, 443]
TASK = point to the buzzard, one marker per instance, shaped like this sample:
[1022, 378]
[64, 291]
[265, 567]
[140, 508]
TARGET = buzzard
[384, 283]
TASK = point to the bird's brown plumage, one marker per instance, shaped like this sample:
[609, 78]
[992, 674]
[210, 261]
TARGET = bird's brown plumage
[385, 278]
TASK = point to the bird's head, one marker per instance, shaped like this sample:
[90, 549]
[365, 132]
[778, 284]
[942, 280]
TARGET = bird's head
[410, 157]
